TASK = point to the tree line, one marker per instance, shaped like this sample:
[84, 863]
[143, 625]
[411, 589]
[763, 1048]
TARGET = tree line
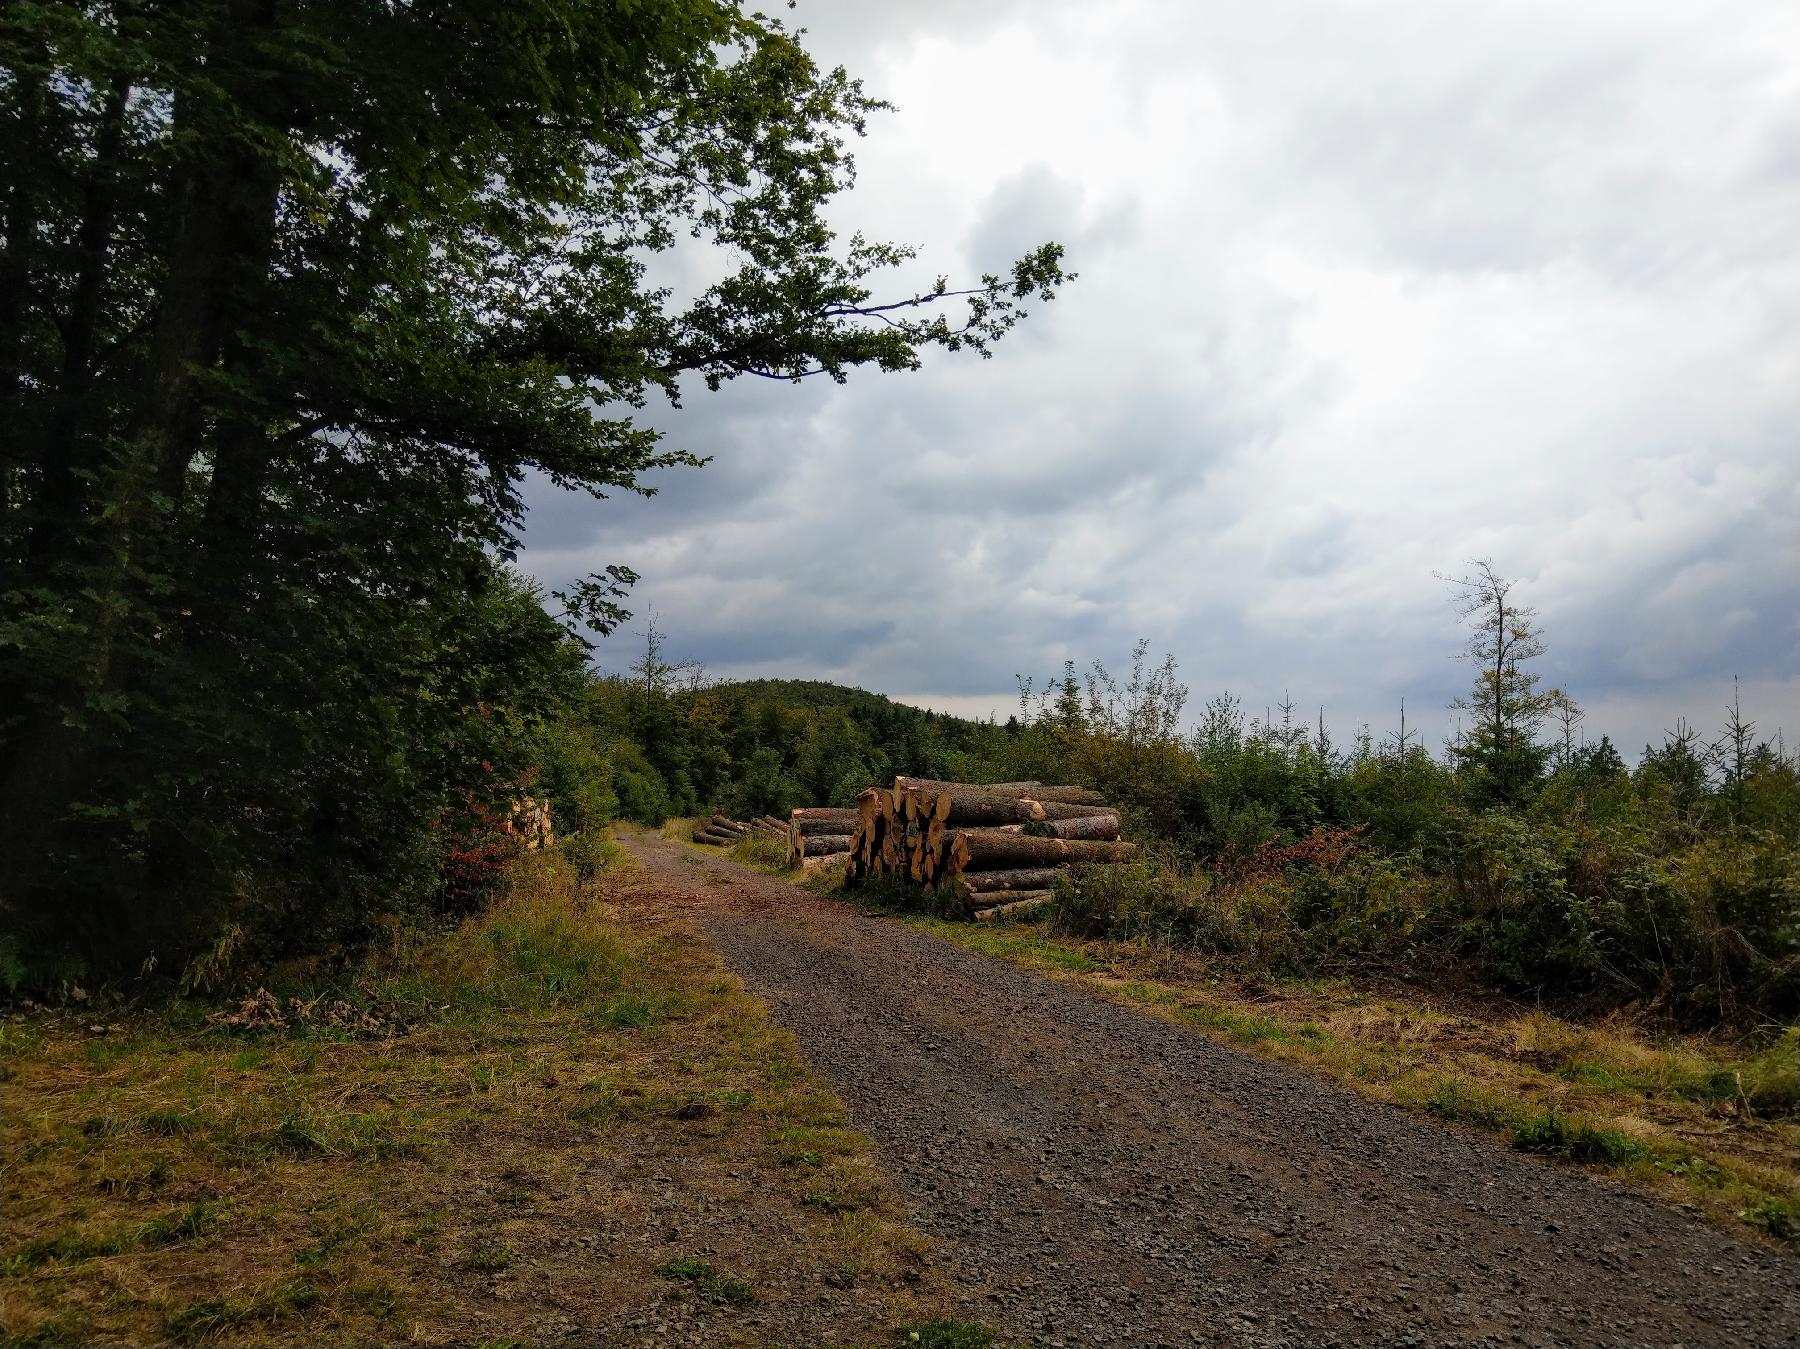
[1524, 852]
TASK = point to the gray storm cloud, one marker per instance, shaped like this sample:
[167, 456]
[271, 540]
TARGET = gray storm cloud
[1364, 292]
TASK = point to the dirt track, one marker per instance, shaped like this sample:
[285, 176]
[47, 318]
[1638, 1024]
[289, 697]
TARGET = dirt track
[1107, 1178]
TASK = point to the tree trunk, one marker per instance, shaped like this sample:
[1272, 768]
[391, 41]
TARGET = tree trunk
[1073, 796]
[1017, 903]
[906, 784]
[822, 820]
[996, 850]
[19, 230]
[824, 845]
[1064, 810]
[972, 807]
[1028, 878]
[1037, 791]
[730, 825]
[228, 203]
[72, 454]
[1085, 826]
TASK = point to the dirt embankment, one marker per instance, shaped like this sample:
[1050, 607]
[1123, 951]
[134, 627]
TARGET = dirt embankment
[1107, 1178]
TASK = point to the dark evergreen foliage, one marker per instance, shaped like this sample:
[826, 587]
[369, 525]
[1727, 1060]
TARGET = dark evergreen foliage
[293, 296]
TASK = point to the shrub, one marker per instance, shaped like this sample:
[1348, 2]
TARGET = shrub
[640, 790]
[1369, 906]
[1557, 1135]
[576, 776]
[759, 849]
[478, 849]
[1780, 1218]
[1134, 900]
[1518, 915]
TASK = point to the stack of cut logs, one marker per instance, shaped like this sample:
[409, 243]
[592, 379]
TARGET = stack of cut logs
[818, 834]
[995, 847]
[721, 831]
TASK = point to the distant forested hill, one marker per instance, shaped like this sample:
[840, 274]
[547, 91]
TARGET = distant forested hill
[767, 745]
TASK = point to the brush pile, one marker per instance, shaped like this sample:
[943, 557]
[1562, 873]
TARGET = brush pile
[721, 831]
[994, 848]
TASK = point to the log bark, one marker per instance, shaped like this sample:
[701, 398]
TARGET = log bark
[972, 807]
[1104, 827]
[1026, 878]
[824, 845]
[822, 820]
[716, 838]
[729, 825]
[939, 785]
[1072, 796]
[806, 822]
[1037, 791]
[1064, 810]
[1017, 904]
[822, 860]
[999, 850]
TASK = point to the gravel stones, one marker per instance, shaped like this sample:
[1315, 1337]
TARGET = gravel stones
[1107, 1178]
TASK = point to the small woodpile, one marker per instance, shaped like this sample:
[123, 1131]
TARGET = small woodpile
[721, 831]
[529, 821]
[996, 847]
[818, 834]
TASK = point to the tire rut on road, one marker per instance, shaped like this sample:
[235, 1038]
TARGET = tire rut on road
[1107, 1178]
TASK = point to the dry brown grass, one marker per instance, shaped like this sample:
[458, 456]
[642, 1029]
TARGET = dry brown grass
[1707, 1124]
[565, 1096]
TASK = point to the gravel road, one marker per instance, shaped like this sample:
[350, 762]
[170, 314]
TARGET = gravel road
[1106, 1178]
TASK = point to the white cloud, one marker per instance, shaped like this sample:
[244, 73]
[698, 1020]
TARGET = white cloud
[1365, 290]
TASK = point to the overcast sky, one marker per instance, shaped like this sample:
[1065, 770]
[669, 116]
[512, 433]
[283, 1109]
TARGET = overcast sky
[1366, 289]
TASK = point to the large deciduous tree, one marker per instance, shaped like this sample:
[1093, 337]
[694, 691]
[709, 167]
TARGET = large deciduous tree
[293, 296]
